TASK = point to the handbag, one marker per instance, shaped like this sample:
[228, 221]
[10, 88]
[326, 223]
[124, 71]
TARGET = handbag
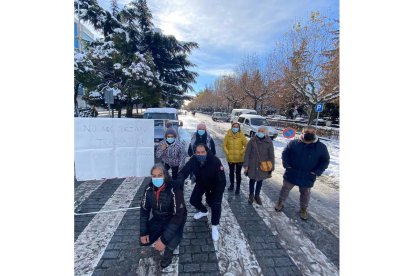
[265, 166]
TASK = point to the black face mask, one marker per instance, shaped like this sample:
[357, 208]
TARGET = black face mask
[309, 136]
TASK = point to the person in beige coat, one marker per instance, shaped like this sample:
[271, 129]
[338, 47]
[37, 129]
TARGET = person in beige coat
[259, 149]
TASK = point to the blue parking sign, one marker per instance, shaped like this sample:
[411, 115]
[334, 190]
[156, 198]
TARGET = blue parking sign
[319, 107]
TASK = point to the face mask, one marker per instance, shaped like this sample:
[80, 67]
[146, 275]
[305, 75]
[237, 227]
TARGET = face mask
[201, 158]
[309, 136]
[157, 182]
[201, 132]
[170, 140]
[260, 134]
[235, 129]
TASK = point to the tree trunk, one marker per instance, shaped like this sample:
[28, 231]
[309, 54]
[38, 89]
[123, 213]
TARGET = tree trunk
[119, 112]
[129, 110]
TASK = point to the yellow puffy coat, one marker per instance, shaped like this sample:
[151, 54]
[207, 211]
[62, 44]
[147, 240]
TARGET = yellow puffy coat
[234, 146]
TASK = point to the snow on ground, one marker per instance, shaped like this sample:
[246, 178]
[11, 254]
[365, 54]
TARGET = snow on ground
[219, 129]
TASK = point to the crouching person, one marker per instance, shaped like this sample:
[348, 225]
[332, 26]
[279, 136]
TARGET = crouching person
[210, 180]
[165, 200]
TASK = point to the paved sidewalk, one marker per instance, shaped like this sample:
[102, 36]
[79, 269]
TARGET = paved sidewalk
[255, 240]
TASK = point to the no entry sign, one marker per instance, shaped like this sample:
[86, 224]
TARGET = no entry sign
[289, 133]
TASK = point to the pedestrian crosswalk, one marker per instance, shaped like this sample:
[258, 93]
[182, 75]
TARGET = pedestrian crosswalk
[254, 240]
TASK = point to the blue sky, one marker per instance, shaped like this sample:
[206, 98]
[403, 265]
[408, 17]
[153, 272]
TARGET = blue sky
[228, 30]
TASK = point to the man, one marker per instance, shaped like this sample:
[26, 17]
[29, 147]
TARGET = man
[303, 159]
[210, 180]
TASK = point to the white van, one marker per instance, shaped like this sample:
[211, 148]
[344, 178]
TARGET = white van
[160, 116]
[235, 113]
[250, 123]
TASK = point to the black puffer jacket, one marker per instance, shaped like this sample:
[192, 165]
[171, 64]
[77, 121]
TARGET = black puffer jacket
[209, 175]
[170, 208]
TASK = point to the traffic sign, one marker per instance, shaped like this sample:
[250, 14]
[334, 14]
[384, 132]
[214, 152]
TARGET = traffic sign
[289, 133]
[319, 107]
[109, 96]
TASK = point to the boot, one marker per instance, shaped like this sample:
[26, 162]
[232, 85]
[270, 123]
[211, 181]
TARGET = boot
[279, 206]
[251, 199]
[166, 258]
[258, 200]
[303, 214]
[237, 192]
[231, 187]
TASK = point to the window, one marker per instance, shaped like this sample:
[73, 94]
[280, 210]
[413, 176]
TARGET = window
[241, 119]
[164, 116]
[247, 122]
[259, 122]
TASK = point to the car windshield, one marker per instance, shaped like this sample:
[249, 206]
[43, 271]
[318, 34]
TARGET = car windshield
[164, 116]
[259, 122]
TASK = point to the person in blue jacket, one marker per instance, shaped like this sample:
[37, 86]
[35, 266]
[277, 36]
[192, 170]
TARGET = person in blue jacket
[303, 159]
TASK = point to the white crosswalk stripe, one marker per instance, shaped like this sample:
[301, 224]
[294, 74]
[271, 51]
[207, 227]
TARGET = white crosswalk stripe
[92, 242]
[85, 189]
[233, 252]
[309, 259]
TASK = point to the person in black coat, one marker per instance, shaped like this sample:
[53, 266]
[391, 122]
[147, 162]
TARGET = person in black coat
[165, 200]
[201, 137]
[303, 159]
[210, 180]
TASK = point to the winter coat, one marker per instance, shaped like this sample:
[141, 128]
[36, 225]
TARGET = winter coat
[251, 159]
[173, 155]
[209, 175]
[301, 160]
[170, 209]
[197, 139]
[234, 146]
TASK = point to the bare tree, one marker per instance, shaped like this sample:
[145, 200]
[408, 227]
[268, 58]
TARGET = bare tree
[301, 57]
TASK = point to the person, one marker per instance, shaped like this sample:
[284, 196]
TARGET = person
[171, 151]
[201, 136]
[259, 149]
[210, 180]
[165, 201]
[303, 159]
[234, 146]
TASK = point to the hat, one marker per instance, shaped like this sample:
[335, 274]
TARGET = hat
[170, 131]
[201, 126]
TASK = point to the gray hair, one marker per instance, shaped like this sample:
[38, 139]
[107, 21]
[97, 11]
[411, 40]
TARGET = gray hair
[161, 167]
[262, 127]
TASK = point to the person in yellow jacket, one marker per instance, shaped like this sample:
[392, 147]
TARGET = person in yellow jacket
[234, 146]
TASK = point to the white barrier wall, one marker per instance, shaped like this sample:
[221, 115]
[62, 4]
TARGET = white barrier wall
[113, 147]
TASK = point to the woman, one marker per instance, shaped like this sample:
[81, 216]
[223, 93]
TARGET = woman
[172, 152]
[201, 137]
[234, 147]
[165, 200]
[259, 149]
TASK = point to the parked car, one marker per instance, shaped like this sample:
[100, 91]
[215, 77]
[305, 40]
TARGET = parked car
[321, 122]
[160, 117]
[250, 123]
[220, 116]
[235, 113]
[278, 117]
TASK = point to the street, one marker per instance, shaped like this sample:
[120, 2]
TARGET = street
[255, 240]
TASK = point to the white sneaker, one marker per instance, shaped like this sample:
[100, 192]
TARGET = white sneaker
[199, 215]
[215, 232]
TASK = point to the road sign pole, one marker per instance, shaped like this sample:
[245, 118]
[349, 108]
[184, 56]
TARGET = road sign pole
[317, 119]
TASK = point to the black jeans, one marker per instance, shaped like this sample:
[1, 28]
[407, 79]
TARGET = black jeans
[213, 200]
[258, 187]
[238, 167]
[173, 169]
[157, 227]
